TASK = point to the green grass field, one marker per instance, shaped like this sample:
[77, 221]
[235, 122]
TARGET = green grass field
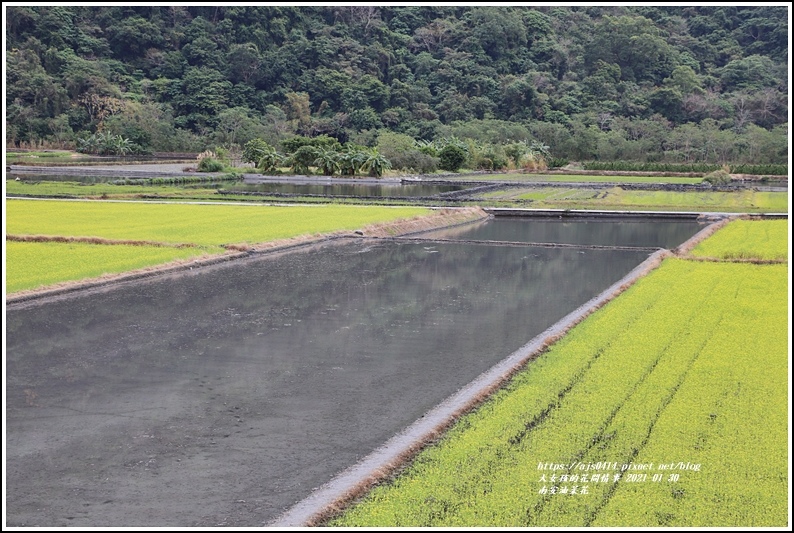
[685, 373]
[208, 227]
[190, 223]
[747, 239]
[73, 189]
[31, 265]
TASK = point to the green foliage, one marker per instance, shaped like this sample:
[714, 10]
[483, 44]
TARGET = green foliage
[178, 180]
[516, 151]
[321, 141]
[351, 161]
[488, 157]
[104, 144]
[254, 150]
[404, 153]
[451, 157]
[270, 161]
[375, 163]
[557, 162]
[583, 81]
[718, 177]
[778, 170]
[302, 158]
[35, 264]
[327, 161]
[210, 164]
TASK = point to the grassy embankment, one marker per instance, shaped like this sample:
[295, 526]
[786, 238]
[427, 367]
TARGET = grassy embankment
[204, 228]
[685, 373]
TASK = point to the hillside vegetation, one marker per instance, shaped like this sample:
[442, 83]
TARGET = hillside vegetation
[643, 83]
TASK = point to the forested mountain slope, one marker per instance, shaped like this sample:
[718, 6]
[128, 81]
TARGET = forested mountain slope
[706, 83]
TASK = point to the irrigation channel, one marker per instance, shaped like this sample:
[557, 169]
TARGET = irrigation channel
[224, 395]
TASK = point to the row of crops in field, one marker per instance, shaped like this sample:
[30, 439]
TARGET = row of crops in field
[32, 265]
[667, 407]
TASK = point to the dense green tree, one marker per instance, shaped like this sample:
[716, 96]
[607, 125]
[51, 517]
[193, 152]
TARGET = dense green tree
[130, 37]
[753, 72]
[635, 44]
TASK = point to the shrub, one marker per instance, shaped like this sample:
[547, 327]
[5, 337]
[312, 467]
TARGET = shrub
[209, 164]
[452, 157]
[718, 177]
[557, 162]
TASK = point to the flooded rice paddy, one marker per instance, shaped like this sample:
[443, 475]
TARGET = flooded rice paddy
[222, 396]
[582, 231]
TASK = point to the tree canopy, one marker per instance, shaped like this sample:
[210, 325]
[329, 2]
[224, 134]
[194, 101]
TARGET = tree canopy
[190, 77]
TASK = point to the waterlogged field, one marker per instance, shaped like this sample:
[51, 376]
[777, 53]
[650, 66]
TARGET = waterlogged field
[667, 407]
[747, 239]
[186, 223]
[616, 198]
[30, 265]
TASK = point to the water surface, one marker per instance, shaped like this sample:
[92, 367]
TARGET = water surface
[662, 233]
[223, 395]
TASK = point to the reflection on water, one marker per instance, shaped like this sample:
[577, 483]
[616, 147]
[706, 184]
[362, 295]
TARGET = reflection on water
[261, 379]
[345, 189]
[662, 233]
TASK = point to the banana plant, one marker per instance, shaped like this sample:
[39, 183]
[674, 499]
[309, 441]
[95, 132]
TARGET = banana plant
[375, 163]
